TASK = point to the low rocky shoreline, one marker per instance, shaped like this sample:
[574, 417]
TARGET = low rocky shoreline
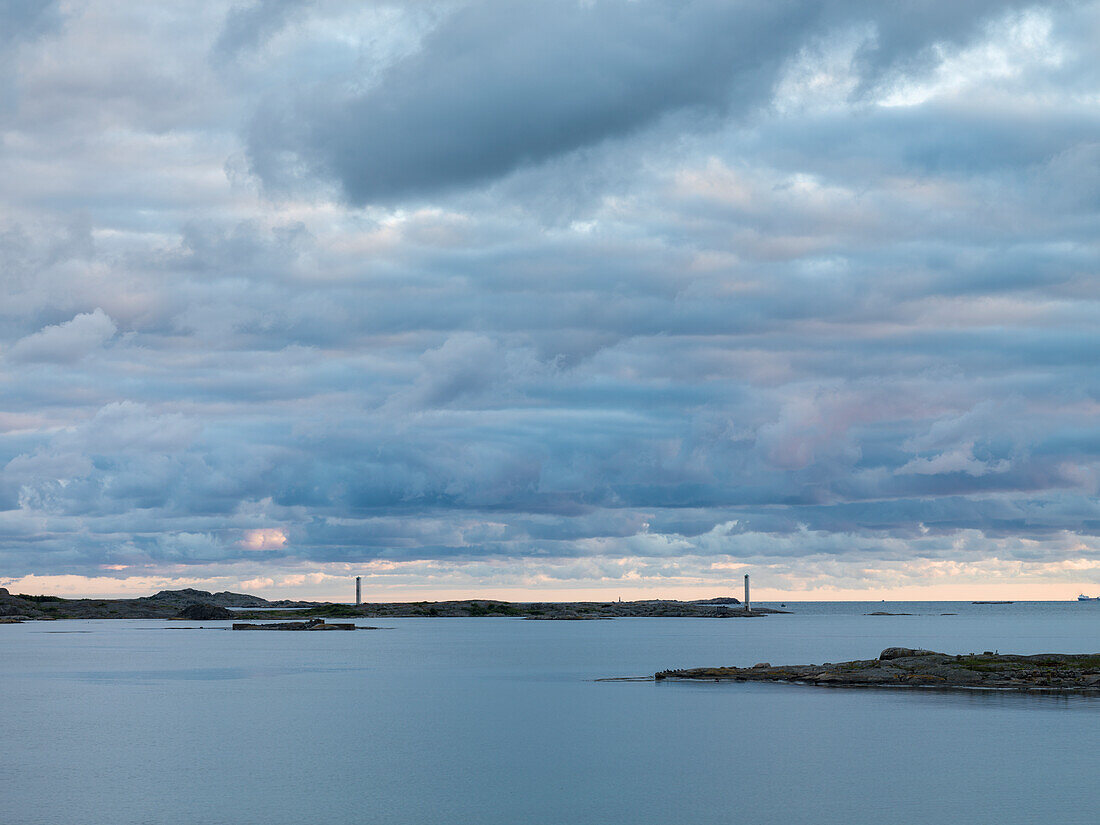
[906, 667]
[201, 605]
[167, 604]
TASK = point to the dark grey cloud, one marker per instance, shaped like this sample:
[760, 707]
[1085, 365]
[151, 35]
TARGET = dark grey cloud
[497, 86]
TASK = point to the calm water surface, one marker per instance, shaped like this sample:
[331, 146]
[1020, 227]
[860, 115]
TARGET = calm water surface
[499, 721]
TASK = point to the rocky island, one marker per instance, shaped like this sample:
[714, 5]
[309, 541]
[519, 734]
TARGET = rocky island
[906, 667]
[311, 625]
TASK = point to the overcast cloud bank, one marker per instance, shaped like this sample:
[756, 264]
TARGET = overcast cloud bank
[605, 295]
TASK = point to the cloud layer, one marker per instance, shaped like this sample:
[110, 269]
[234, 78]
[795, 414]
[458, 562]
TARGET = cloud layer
[551, 295]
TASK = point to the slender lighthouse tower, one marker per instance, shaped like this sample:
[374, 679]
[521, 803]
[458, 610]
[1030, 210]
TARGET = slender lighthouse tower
[359, 589]
[748, 605]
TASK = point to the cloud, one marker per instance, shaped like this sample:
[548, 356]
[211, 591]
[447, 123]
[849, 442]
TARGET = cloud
[21, 23]
[954, 461]
[264, 538]
[67, 342]
[25, 20]
[466, 367]
[249, 24]
[127, 426]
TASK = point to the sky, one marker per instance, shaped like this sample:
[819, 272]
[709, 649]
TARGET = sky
[569, 299]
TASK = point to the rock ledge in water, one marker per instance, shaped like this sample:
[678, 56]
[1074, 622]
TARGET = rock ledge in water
[312, 624]
[906, 667]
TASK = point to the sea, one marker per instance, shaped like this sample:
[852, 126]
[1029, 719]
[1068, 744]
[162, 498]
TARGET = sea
[505, 721]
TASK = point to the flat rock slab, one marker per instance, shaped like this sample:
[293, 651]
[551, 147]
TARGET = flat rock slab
[313, 624]
[905, 667]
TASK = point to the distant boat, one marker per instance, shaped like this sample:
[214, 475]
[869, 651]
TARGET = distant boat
[1084, 598]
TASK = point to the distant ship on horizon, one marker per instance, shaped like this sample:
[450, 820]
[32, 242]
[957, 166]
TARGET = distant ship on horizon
[1084, 598]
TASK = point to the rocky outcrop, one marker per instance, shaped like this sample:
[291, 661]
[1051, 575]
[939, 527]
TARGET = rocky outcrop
[166, 604]
[18, 607]
[901, 653]
[188, 595]
[313, 624]
[908, 667]
[204, 612]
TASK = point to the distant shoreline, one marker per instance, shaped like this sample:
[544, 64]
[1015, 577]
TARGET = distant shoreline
[202, 605]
